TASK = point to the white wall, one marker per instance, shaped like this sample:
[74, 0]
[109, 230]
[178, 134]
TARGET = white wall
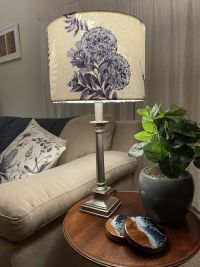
[20, 80]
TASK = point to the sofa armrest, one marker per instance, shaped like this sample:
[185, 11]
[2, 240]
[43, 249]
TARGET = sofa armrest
[123, 136]
[27, 205]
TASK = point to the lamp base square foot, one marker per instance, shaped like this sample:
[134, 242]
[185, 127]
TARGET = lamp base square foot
[103, 206]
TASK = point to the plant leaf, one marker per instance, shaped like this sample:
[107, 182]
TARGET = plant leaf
[170, 167]
[157, 149]
[157, 112]
[148, 125]
[187, 128]
[177, 161]
[175, 113]
[143, 112]
[197, 150]
[143, 136]
[184, 155]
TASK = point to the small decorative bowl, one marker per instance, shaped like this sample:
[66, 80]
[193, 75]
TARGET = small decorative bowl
[144, 234]
[115, 228]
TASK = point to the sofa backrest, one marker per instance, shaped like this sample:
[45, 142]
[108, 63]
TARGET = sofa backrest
[123, 137]
[80, 136]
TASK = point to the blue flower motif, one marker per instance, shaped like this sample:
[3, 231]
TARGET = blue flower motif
[117, 74]
[79, 57]
[99, 43]
[101, 70]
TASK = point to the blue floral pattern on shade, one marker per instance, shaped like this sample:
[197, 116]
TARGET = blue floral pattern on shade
[99, 43]
[100, 70]
[33, 151]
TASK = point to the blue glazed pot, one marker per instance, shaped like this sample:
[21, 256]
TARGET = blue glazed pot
[166, 200]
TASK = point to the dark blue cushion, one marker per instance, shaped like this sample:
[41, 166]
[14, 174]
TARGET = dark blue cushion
[11, 127]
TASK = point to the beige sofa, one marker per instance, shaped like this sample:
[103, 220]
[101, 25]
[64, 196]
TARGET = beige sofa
[32, 209]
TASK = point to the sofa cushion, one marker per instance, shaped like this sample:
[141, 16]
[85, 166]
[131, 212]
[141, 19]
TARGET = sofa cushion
[80, 135]
[32, 151]
[11, 127]
[29, 204]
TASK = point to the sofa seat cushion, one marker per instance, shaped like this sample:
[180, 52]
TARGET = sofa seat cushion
[29, 204]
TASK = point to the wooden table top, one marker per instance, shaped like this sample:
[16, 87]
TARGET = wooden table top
[86, 234]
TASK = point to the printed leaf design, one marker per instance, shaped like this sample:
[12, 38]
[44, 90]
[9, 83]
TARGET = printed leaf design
[85, 94]
[73, 24]
[28, 169]
[29, 152]
[114, 95]
[104, 65]
[43, 166]
[3, 176]
[7, 160]
[36, 163]
[5, 164]
[2, 166]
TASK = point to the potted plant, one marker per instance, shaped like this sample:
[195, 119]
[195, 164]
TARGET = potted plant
[171, 142]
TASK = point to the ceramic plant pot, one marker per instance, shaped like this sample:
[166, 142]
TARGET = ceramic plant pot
[166, 200]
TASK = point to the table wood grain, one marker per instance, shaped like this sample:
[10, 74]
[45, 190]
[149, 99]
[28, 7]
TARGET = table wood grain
[86, 234]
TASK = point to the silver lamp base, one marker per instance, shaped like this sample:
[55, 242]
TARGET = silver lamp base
[102, 204]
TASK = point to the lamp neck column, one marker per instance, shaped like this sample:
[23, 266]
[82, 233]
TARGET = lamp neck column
[99, 124]
[101, 184]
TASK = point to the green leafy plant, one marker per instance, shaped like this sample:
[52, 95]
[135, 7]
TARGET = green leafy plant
[169, 139]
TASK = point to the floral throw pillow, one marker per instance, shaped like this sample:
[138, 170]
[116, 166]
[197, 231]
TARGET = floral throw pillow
[34, 150]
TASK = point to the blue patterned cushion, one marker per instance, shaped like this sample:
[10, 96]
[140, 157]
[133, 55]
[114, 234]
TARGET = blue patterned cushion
[32, 151]
[11, 127]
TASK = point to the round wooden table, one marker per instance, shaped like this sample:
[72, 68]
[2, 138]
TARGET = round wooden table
[86, 234]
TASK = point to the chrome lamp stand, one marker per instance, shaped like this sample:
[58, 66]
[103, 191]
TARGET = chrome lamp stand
[101, 204]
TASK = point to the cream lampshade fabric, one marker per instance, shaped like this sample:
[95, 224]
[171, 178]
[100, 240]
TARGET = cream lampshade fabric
[96, 55]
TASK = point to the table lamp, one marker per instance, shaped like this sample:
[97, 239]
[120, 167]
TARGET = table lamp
[97, 57]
